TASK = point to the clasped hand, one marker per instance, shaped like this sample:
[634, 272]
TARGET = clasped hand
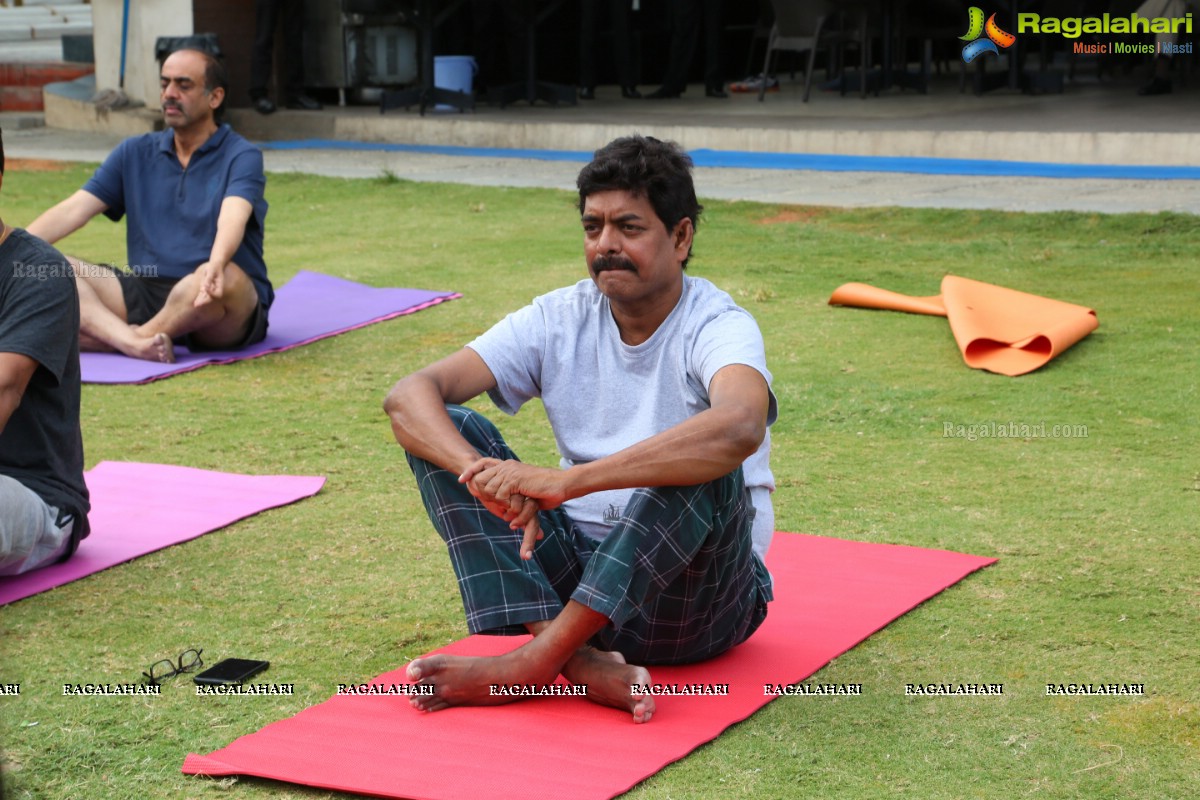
[515, 492]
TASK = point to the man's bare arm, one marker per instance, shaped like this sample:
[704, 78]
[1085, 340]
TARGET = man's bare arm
[15, 371]
[231, 230]
[70, 215]
[416, 406]
[702, 448]
[417, 403]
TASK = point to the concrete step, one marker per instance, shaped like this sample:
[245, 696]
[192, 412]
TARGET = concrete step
[31, 23]
[45, 9]
[44, 14]
[71, 106]
[32, 51]
[56, 30]
[12, 32]
[21, 120]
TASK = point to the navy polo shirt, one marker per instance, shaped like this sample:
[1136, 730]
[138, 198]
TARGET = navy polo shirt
[173, 211]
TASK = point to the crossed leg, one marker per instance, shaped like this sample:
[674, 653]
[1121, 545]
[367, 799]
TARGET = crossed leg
[216, 322]
[675, 581]
[103, 325]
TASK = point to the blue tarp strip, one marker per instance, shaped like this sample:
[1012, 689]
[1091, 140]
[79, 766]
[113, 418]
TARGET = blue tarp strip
[792, 161]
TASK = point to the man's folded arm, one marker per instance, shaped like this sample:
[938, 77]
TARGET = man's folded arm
[702, 448]
[417, 403]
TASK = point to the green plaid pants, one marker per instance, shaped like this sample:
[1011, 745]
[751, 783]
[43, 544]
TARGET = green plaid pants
[676, 575]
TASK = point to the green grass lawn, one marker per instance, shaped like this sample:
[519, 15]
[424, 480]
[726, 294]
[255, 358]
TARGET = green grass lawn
[1096, 581]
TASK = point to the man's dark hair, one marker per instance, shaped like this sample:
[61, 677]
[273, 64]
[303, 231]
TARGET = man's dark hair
[646, 167]
[215, 77]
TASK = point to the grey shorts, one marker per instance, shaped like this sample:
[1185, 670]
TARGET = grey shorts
[30, 532]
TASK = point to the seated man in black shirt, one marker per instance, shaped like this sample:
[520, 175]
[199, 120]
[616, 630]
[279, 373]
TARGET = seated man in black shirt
[43, 499]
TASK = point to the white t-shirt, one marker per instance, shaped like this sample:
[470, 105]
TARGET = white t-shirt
[602, 395]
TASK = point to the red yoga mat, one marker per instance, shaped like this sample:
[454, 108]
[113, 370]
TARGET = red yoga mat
[831, 594]
[140, 508]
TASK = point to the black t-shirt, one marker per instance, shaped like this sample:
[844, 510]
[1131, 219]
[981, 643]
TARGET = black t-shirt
[41, 446]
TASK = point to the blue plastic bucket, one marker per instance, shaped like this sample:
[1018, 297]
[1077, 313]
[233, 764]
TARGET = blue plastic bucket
[455, 73]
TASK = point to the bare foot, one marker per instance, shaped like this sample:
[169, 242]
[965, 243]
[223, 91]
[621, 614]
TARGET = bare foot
[466, 680]
[609, 680]
[149, 348]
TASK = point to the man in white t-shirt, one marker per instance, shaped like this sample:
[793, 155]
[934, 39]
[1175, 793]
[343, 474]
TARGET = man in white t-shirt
[644, 545]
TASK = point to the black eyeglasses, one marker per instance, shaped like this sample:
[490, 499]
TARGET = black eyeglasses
[187, 661]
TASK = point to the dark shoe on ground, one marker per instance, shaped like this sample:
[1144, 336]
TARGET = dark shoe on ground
[263, 105]
[663, 94]
[715, 91]
[630, 93]
[587, 93]
[304, 103]
[754, 84]
[1155, 86]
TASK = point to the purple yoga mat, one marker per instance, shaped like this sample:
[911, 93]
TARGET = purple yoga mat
[140, 508]
[309, 307]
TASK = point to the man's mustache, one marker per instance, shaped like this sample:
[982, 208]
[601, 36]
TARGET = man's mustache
[171, 104]
[605, 263]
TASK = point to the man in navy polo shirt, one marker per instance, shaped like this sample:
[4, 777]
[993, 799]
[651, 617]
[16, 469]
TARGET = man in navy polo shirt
[193, 194]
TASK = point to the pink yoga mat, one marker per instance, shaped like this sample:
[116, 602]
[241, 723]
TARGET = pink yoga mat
[140, 508]
[830, 595]
[309, 307]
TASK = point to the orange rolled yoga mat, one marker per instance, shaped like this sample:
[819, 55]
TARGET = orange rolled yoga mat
[997, 329]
